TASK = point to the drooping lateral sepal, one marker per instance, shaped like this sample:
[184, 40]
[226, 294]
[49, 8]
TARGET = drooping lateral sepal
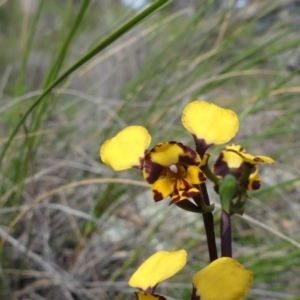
[223, 279]
[158, 267]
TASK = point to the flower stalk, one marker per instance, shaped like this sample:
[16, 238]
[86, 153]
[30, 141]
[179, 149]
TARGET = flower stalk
[226, 239]
[208, 220]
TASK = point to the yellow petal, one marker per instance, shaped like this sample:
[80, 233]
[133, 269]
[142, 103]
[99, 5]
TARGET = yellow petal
[204, 160]
[126, 149]
[235, 148]
[194, 175]
[254, 180]
[232, 158]
[225, 278]
[209, 122]
[254, 160]
[143, 296]
[162, 188]
[166, 154]
[158, 267]
[183, 192]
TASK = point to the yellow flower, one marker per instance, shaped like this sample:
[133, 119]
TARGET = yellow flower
[225, 278]
[156, 268]
[209, 124]
[127, 149]
[232, 161]
[173, 169]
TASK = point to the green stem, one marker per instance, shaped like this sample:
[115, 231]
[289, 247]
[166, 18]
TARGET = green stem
[210, 175]
[102, 45]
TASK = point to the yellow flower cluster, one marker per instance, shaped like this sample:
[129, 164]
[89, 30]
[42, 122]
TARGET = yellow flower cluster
[174, 169]
[177, 171]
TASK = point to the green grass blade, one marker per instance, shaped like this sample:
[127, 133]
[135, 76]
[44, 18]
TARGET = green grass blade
[98, 48]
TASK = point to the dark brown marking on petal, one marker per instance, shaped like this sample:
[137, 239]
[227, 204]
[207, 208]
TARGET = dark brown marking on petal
[254, 169]
[160, 297]
[194, 295]
[157, 196]
[220, 167]
[175, 190]
[188, 190]
[152, 169]
[175, 198]
[255, 185]
[201, 146]
[189, 157]
[149, 290]
[190, 193]
[186, 184]
[258, 159]
[201, 176]
[189, 160]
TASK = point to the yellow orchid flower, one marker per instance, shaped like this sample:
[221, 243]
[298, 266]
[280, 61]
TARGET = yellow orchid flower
[225, 278]
[158, 267]
[209, 124]
[171, 168]
[232, 160]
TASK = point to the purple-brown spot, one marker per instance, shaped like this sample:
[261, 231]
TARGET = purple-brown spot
[152, 170]
[175, 198]
[194, 295]
[157, 196]
[220, 167]
[201, 177]
[258, 159]
[255, 185]
[201, 146]
[190, 193]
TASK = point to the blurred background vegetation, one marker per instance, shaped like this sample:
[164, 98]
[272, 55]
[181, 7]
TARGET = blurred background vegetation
[71, 228]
